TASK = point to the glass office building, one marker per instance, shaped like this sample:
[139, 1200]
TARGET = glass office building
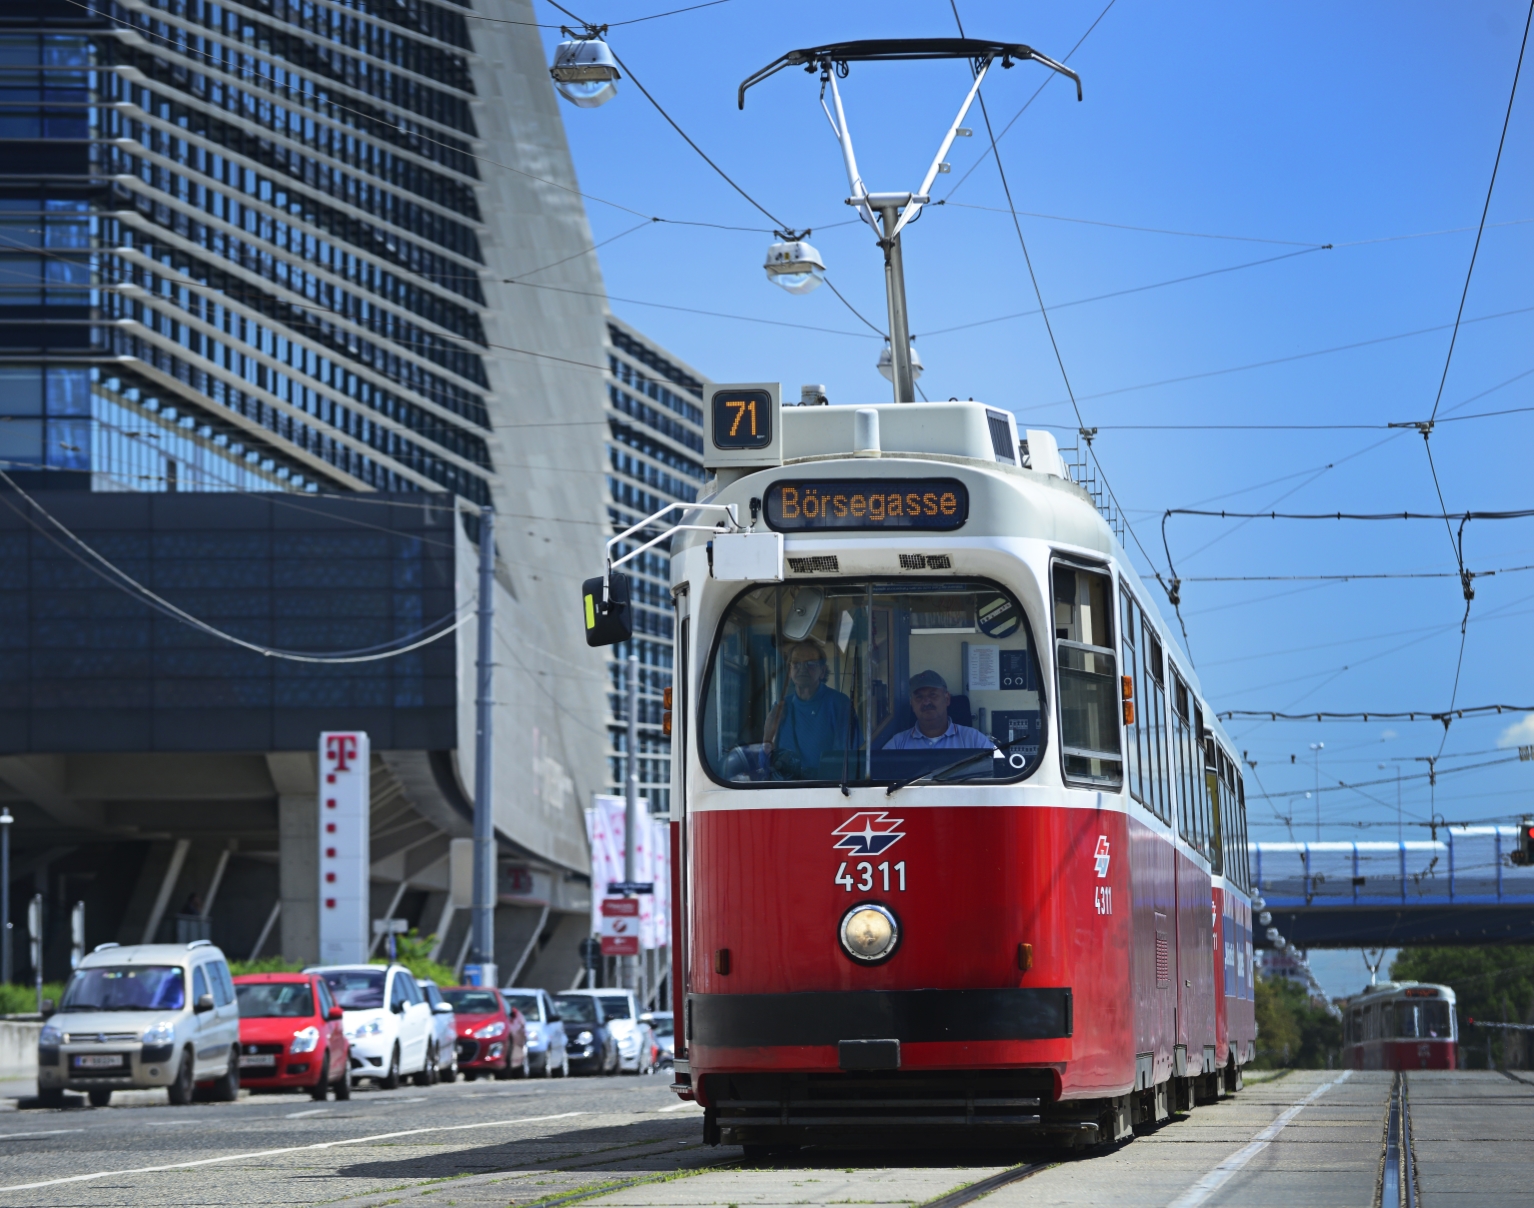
[265, 246]
[654, 457]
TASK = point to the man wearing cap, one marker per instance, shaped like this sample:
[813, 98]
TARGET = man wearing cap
[934, 731]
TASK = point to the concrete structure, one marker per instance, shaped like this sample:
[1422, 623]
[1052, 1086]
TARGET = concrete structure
[215, 284]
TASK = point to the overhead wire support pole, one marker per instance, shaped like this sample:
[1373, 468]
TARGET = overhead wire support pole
[630, 977]
[483, 916]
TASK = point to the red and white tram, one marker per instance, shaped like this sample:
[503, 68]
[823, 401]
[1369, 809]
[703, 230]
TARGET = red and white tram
[959, 845]
[1400, 1026]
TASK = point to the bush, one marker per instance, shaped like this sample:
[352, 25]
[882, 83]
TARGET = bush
[412, 951]
[1293, 1031]
[22, 1000]
[267, 964]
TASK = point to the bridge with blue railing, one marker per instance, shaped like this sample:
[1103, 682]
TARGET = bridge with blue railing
[1457, 888]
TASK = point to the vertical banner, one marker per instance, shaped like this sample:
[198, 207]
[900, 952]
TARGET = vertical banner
[344, 861]
[607, 830]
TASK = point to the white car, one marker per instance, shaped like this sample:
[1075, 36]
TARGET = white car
[620, 1010]
[142, 1016]
[391, 1026]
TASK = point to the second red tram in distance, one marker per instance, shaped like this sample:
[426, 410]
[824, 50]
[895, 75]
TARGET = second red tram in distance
[960, 847]
[1400, 1026]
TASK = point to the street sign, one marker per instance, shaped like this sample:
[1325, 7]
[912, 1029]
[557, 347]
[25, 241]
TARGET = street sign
[620, 926]
[622, 887]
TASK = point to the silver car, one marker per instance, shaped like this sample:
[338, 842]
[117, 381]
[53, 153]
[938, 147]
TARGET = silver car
[547, 1053]
[446, 1023]
[144, 1016]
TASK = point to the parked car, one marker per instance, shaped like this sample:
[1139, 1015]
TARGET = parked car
[547, 1053]
[620, 1010]
[492, 1036]
[387, 1020]
[664, 1026]
[292, 1034]
[142, 1016]
[590, 1047]
[446, 1030]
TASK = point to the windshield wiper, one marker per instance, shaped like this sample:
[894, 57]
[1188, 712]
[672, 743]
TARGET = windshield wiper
[993, 753]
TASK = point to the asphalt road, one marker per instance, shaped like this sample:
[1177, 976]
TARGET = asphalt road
[1310, 1138]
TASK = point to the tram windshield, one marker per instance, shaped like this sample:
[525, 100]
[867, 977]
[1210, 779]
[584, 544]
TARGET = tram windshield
[873, 683]
[1424, 1020]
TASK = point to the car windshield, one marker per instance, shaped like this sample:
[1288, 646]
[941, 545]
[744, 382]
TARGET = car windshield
[356, 989]
[126, 988]
[528, 1005]
[615, 1006]
[662, 1025]
[848, 683]
[275, 1000]
[472, 1002]
[579, 1009]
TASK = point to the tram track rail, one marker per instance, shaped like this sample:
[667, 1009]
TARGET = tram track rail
[1398, 1165]
[975, 1191]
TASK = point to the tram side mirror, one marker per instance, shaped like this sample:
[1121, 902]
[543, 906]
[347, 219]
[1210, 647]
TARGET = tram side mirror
[611, 621]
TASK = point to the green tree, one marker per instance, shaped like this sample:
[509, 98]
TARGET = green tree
[1293, 1030]
[1493, 982]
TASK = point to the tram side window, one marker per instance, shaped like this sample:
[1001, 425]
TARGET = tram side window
[857, 683]
[1243, 858]
[1088, 676]
[1213, 804]
[1151, 696]
[1134, 725]
[1182, 744]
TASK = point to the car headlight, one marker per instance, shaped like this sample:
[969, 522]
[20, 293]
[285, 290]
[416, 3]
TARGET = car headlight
[371, 1028]
[869, 933]
[583, 1038]
[50, 1036]
[304, 1040]
[628, 1044]
[491, 1030]
[161, 1033]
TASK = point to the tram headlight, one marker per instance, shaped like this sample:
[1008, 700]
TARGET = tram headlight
[870, 933]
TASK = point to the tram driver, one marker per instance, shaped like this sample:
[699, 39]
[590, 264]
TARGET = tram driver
[810, 722]
[934, 729]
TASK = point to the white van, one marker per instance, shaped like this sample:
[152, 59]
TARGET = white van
[142, 1016]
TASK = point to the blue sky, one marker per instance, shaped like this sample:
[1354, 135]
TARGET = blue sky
[1259, 132]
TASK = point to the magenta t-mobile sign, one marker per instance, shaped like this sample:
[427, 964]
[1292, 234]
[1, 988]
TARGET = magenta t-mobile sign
[344, 859]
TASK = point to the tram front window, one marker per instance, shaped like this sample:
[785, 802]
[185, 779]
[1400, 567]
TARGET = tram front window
[872, 683]
[1423, 1020]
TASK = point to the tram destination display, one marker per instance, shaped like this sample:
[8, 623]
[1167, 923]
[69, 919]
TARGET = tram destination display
[867, 504]
[742, 419]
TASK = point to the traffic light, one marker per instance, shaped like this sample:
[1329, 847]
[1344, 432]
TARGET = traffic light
[1524, 853]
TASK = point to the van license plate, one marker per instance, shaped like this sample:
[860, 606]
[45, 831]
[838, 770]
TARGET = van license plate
[97, 1061]
[255, 1060]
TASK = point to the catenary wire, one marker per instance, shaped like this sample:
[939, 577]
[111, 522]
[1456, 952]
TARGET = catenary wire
[119, 578]
[1485, 209]
[1047, 81]
[1043, 313]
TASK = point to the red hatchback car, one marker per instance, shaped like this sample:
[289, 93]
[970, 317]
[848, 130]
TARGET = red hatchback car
[291, 1035]
[492, 1037]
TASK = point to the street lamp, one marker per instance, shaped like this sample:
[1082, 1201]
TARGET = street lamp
[793, 264]
[886, 364]
[889, 213]
[584, 69]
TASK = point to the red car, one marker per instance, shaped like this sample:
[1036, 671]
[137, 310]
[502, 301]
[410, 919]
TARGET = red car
[492, 1037]
[291, 1035]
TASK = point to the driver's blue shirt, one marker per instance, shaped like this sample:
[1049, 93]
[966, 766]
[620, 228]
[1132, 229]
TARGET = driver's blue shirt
[955, 738]
[810, 729]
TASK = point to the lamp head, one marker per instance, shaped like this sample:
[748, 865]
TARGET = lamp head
[795, 265]
[585, 72]
[886, 362]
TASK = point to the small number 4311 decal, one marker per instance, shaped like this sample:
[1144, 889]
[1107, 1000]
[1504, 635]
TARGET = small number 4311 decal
[865, 876]
[1104, 899]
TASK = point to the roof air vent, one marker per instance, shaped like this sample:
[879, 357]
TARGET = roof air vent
[1001, 436]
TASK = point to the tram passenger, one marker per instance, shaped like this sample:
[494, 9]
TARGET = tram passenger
[810, 723]
[934, 729]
